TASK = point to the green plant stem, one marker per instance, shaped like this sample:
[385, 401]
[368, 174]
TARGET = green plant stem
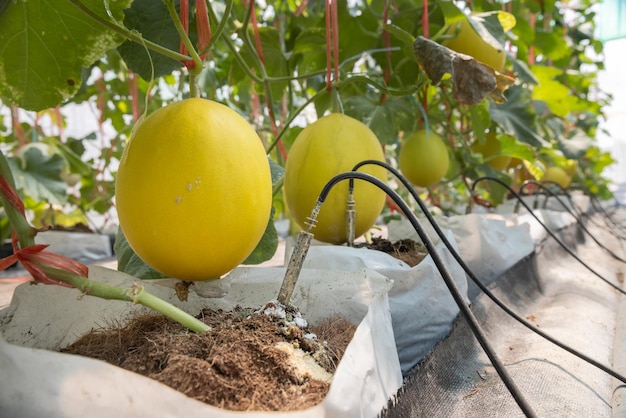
[338, 85]
[129, 34]
[185, 38]
[25, 232]
[136, 295]
[292, 116]
[335, 99]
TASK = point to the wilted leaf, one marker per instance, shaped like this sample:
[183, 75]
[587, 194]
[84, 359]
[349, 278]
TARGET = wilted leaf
[473, 80]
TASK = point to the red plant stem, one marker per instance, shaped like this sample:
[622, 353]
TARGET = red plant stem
[328, 46]
[301, 8]
[184, 19]
[393, 207]
[270, 111]
[203, 26]
[335, 21]
[203, 29]
[432, 196]
[257, 34]
[11, 195]
[425, 30]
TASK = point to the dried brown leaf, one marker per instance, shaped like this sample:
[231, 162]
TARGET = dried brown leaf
[473, 80]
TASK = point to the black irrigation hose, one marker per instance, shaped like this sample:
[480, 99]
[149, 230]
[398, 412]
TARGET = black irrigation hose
[610, 371]
[606, 218]
[578, 218]
[548, 230]
[445, 274]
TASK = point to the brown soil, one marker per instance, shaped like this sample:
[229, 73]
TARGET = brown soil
[407, 250]
[237, 365]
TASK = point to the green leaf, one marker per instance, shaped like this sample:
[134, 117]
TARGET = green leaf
[307, 50]
[266, 248]
[151, 19]
[511, 147]
[405, 37]
[523, 72]
[553, 93]
[479, 115]
[552, 44]
[45, 45]
[129, 262]
[516, 116]
[358, 32]
[451, 12]
[277, 171]
[39, 176]
[73, 160]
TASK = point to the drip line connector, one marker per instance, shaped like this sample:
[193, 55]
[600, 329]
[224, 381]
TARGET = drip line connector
[296, 261]
[350, 220]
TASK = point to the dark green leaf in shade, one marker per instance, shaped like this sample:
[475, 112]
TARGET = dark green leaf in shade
[152, 20]
[516, 116]
[266, 248]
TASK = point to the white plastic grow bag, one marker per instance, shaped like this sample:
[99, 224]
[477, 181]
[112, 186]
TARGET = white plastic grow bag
[38, 382]
[488, 243]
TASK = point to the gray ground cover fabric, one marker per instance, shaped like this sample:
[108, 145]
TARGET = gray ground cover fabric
[556, 293]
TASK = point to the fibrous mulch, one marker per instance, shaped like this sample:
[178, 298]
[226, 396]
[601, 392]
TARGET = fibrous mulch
[238, 365]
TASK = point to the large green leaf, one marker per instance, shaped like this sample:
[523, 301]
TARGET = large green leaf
[39, 176]
[153, 21]
[553, 93]
[44, 45]
[516, 116]
[384, 119]
[308, 50]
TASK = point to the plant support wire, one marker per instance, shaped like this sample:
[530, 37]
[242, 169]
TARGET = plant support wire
[295, 264]
[610, 371]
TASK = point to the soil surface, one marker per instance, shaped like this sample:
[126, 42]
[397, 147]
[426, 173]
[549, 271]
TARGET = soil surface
[249, 360]
[409, 251]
